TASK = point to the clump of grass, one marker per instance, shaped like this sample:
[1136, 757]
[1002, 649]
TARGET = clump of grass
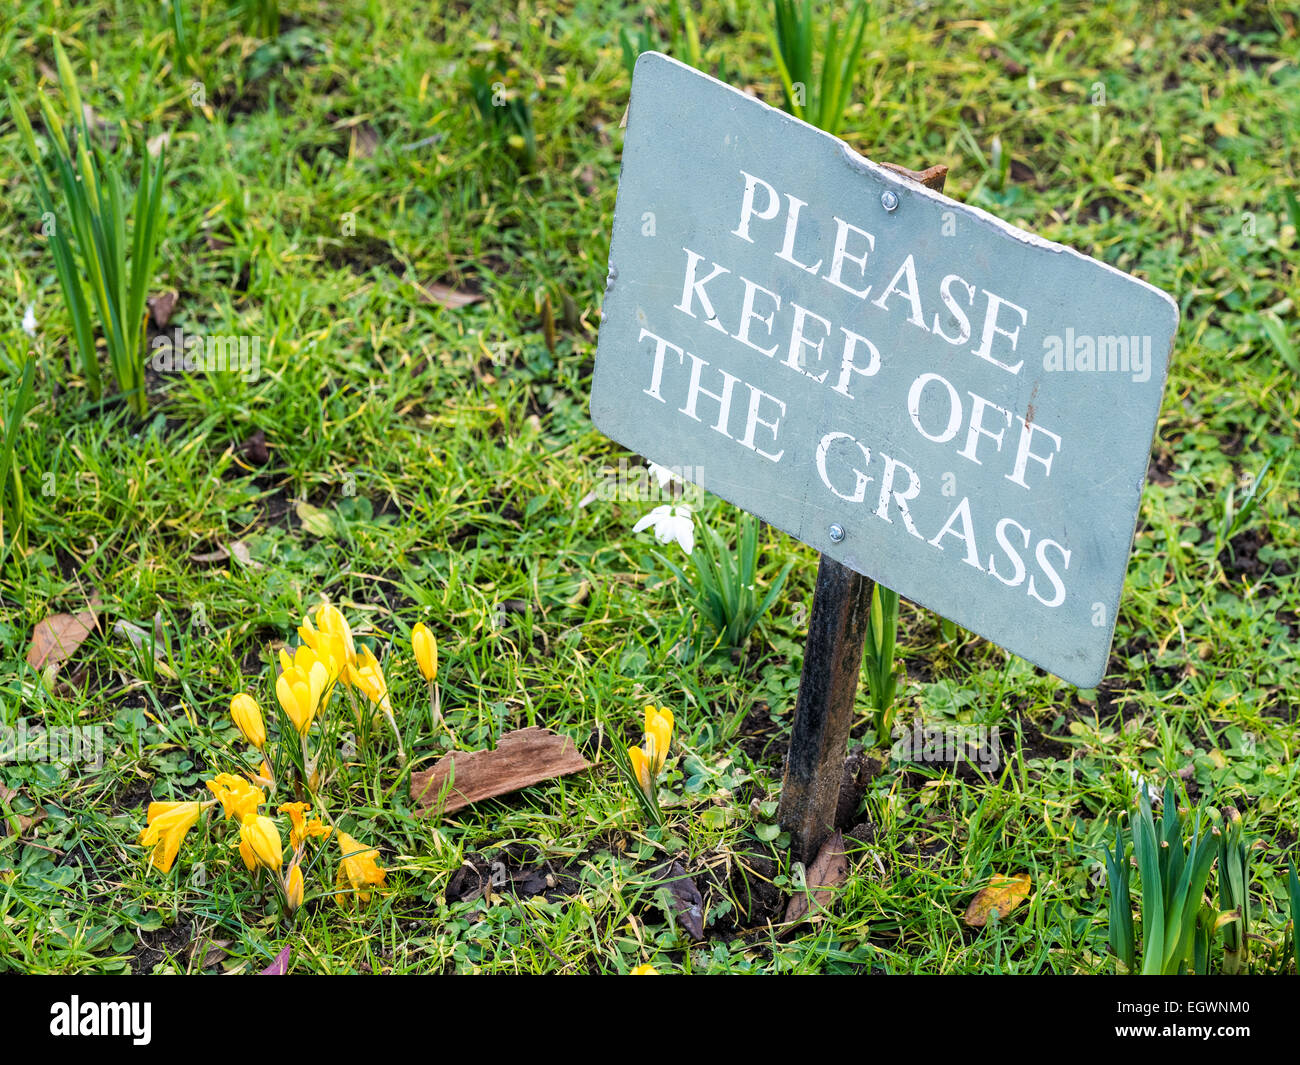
[882, 680]
[261, 17]
[84, 214]
[11, 484]
[725, 585]
[503, 110]
[818, 99]
[1173, 872]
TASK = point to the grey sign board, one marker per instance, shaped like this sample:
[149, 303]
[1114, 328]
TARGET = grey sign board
[955, 407]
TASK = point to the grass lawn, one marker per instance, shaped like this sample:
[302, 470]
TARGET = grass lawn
[415, 457]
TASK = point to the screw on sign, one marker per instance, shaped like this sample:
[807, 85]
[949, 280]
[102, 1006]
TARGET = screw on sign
[928, 396]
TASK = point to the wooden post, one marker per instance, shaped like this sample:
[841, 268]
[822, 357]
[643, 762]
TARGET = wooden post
[832, 660]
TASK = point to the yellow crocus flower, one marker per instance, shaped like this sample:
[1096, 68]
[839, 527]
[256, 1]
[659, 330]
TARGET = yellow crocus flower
[426, 651]
[659, 727]
[644, 970]
[332, 636]
[368, 676]
[167, 823]
[640, 767]
[302, 829]
[301, 687]
[263, 778]
[298, 821]
[247, 716]
[294, 888]
[357, 869]
[239, 799]
[333, 650]
[262, 837]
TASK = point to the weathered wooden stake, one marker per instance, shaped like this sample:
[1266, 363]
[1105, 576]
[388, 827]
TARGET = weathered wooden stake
[832, 660]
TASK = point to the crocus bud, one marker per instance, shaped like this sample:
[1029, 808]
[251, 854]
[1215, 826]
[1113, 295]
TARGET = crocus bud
[294, 888]
[263, 840]
[247, 716]
[426, 651]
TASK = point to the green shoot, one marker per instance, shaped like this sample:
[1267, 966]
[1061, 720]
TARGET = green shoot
[85, 219]
[821, 101]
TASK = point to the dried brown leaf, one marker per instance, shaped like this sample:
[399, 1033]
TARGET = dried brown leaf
[446, 296]
[521, 758]
[161, 307]
[686, 899]
[210, 952]
[828, 871]
[219, 555]
[57, 638]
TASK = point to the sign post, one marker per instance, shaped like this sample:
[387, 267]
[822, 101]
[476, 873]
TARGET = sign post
[828, 684]
[929, 397]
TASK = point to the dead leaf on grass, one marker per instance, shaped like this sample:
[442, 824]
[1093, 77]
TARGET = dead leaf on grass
[254, 448]
[446, 296]
[57, 638]
[828, 871]
[1002, 894]
[209, 952]
[26, 822]
[521, 758]
[686, 899]
[219, 555]
[161, 307]
[240, 553]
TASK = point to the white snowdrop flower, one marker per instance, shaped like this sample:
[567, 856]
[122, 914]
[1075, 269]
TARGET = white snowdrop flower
[29, 320]
[1143, 785]
[670, 522]
[662, 474]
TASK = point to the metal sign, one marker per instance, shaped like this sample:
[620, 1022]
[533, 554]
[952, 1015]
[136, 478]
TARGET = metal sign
[950, 405]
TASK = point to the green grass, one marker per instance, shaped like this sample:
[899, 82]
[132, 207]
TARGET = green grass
[316, 181]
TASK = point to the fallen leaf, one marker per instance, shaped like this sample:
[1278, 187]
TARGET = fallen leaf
[154, 145]
[1002, 895]
[209, 952]
[446, 296]
[57, 638]
[313, 519]
[219, 555]
[6, 792]
[365, 140]
[161, 307]
[137, 636]
[686, 899]
[471, 881]
[254, 449]
[26, 822]
[521, 758]
[240, 553]
[828, 871]
[279, 967]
